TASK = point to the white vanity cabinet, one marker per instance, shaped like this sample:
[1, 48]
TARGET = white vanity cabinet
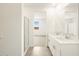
[70, 50]
[54, 46]
[63, 47]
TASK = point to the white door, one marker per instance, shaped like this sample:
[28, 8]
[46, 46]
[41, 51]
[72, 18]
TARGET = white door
[2, 42]
[26, 32]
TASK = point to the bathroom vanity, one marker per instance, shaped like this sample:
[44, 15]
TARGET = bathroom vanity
[62, 46]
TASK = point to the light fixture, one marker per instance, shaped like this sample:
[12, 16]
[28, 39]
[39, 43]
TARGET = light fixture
[62, 5]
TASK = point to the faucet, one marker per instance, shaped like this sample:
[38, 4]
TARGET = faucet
[69, 36]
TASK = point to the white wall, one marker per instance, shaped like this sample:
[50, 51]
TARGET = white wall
[10, 29]
[57, 21]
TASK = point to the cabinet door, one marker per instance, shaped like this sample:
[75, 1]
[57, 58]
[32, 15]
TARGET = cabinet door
[51, 48]
[56, 49]
[50, 44]
[70, 50]
[54, 46]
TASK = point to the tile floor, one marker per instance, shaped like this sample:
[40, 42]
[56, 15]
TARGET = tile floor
[38, 51]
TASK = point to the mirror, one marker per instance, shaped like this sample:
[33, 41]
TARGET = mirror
[71, 20]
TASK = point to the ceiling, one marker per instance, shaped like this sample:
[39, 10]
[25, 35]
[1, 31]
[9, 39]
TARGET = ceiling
[38, 5]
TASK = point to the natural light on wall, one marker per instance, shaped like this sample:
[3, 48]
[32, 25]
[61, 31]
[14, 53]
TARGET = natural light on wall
[56, 8]
[36, 22]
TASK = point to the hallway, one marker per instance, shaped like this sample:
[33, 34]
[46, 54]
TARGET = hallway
[50, 29]
[38, 51]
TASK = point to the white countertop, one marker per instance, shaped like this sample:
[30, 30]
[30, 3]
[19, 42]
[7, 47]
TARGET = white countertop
[63, 40]
[66, 41]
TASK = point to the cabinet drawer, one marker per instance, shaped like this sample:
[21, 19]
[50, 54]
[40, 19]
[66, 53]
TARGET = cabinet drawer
[56, 48]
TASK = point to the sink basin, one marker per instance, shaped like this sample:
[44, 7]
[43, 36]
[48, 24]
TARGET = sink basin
[67, 37]
[67, 41]
[63, 40]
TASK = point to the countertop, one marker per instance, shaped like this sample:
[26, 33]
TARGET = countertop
[63, 40]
